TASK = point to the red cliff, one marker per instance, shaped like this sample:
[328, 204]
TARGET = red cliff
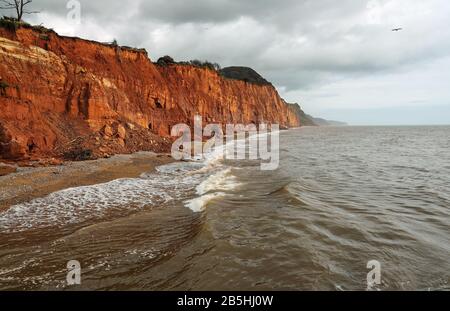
[76, 98]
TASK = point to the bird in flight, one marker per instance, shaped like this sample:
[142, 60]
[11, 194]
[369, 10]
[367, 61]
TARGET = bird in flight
[397, 29]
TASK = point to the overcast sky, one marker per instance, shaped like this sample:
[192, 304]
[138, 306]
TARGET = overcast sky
[337, 59]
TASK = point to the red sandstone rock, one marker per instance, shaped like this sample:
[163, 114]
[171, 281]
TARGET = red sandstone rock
[63, 91]
[121, 131]
[107, 131]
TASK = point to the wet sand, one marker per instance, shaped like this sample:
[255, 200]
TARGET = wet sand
[30, 183]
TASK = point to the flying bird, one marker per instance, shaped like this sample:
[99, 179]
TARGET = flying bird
[397, 29]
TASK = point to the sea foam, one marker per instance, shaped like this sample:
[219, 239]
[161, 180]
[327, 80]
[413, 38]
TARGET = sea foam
[199, 204]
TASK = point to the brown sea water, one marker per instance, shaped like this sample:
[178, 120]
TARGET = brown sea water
[342, 196]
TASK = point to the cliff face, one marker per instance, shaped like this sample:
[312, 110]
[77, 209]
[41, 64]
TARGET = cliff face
[63, 96]
[304, 119]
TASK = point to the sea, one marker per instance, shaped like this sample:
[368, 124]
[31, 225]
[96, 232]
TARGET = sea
[341, 199]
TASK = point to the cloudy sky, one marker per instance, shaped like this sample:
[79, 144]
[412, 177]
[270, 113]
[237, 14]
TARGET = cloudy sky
[337, 59]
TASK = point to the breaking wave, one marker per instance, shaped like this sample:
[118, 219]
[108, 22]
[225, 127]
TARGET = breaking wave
[176, 181]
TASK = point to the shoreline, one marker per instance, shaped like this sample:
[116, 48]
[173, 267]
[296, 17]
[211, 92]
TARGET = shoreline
[34, 182]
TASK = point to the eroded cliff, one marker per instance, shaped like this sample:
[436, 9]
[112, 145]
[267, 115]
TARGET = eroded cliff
[74, 98]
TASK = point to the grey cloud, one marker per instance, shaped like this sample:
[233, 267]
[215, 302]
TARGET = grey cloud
[296, 44]
[272, 12]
